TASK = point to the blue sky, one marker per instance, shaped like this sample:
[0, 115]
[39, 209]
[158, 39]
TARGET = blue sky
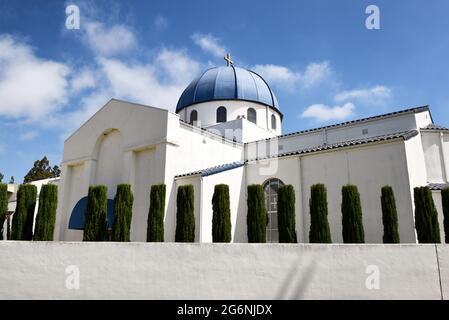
[322, 62]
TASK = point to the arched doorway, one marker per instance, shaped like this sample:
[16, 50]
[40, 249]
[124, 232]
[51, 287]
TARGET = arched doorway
[271, 203]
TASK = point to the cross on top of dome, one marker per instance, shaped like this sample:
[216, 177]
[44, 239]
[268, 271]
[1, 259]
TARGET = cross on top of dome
[229, 62]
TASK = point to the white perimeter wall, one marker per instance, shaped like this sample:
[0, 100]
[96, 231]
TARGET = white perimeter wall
[37, 270]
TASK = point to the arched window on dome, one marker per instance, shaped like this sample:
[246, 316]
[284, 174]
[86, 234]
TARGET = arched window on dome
[251, 115]
[193, 117]
[273, 122]
[221, 114]
[271, 188]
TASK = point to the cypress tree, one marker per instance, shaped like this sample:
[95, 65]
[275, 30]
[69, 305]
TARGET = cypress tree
[221, 218]
[389, 216]
[155, 227]
[46, 214]
[96, 226]
[185, 214]
[445, 200]
[426, 216]
[8, 227]
[257, 216]
[319, 224]
[352, 215]
[22, 223]
[286, 214]
[3, 206]
[123, 210]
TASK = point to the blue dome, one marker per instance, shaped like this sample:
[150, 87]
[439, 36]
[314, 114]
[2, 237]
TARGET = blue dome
[228, 83]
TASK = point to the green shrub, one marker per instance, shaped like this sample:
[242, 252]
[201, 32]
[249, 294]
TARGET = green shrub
[221, 218]
[155, 226]
[352, 215]
[319, 224]
[445, 203]
[286, 214]
[123, 211]
[96, 226]
[185, 214]
[3, 206]
[22, 223]
[257, 216]
[426, 216]
[389, 216]
[46, 214]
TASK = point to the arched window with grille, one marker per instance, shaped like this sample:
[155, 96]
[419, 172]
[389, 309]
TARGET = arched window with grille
[221, 114]
[251, 115]
[273, 122]
[193, 117]
[271, 203]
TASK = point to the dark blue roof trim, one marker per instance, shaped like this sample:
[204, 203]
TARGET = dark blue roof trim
[400, 135]
[438, 186]
[214, 170]
[435, 127]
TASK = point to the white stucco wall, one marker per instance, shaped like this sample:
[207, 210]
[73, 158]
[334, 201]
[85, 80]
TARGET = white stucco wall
[38, 270]
[242, 130]
[435, 147]
[107, 149]
[368, 167]
[352, 131]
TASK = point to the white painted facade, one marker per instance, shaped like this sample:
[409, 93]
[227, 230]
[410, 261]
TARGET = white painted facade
[141, 145]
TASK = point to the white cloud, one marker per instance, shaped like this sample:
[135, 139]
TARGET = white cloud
[30, 87]
[160, 22]
[176, 66]
[323, 113]
[30, 135]
[107, 40]
[277, 75]
[315, 74]
[159, 83]
[81, 80]
[377, 95]
[209, 44]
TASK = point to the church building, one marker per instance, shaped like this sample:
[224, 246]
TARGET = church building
[227, 128]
